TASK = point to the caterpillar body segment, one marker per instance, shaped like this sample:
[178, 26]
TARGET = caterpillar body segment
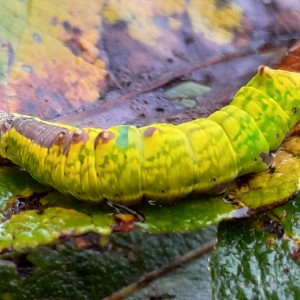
[245, 137]
[265, 112]
[163, 162]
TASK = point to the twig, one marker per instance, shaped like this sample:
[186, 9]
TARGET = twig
[151, 276]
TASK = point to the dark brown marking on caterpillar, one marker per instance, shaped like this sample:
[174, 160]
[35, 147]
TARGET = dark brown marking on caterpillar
[42, 134]
[150, 131]
[78, 136]
[66, 138]
[63, 139]
[104, 137]
[67, 143]
[47, 135]
[52, 135]
[60, 139]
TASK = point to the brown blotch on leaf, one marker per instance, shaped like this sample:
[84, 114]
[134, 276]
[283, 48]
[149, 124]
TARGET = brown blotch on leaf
[150, 131]
[72, 29]
[124, 222]
[104, 137]
[75, 46]
[22, 204]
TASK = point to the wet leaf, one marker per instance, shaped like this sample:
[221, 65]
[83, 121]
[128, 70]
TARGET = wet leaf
[263, 257]
[71, 271]
[198, 212]
[16, 183]
[58, 58]
[263, 261]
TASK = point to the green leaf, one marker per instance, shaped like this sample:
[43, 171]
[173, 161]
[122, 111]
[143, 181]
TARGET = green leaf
[71, 270]
[258, 193]
[17, 183]
[186, 90]
[258, 258]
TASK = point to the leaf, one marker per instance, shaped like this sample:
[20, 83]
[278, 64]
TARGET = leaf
[58, 58]
[80, 269]
[16, 183]
[206, 18]
[190, 214]
[263, 261]
[53, 59]
[48, 57]
[187, 92]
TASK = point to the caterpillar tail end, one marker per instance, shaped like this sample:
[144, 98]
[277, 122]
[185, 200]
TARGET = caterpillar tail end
[262, 69]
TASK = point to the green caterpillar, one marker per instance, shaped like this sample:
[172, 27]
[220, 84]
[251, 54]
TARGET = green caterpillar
[125, 164]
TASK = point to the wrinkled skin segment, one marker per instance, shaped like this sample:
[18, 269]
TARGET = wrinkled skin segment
[125, 164]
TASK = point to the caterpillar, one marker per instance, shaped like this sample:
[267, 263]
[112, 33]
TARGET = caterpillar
[125, 164]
